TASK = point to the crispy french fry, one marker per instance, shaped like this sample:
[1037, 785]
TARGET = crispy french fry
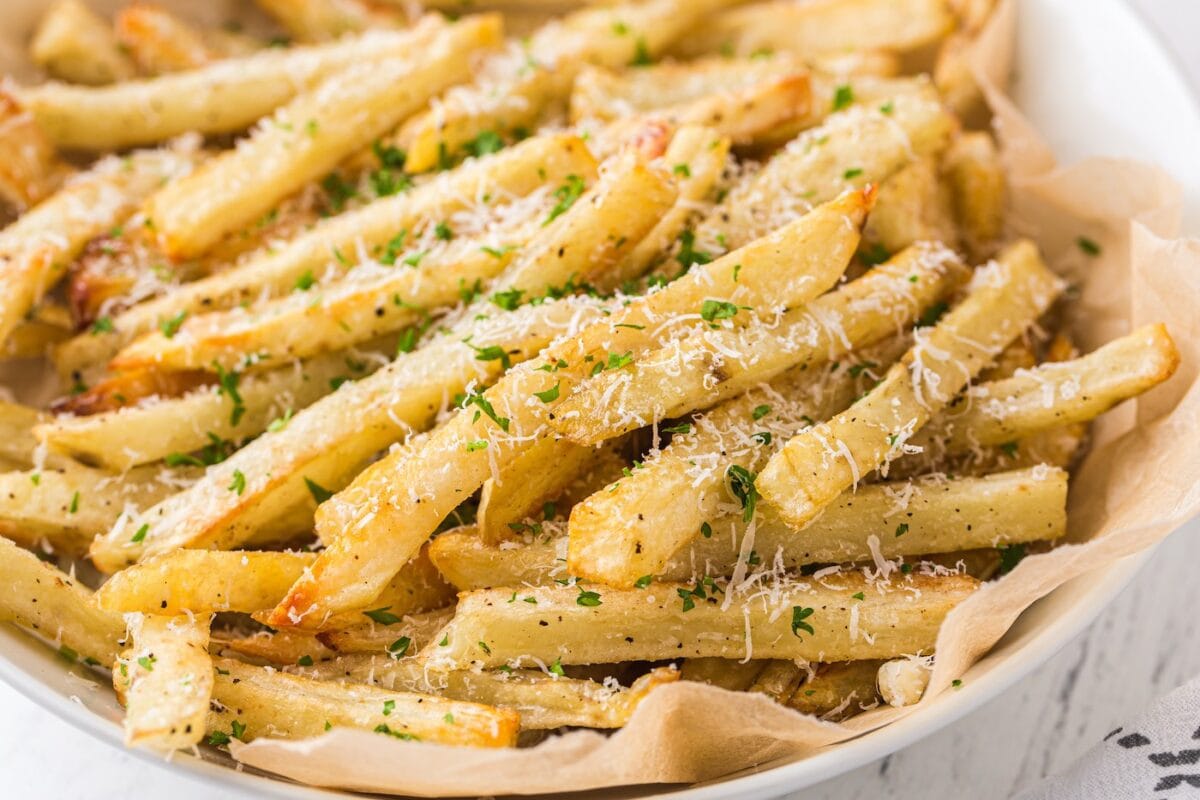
[897, 519]
[525, 485]
[326, 443]
[74, 44]
[284, 648]
[406, 634]
[56, 607]
[807, 29]
[158, 41]
[206, 417]
[168, 681]
[223, 97]
[67, 505]
[35, 250]
[722, 363]
[46, 325]
[856, 63]
[838, 691]
[321, 20]
[913, 206]
[1054, 394]
[727, 673]
[977, 182]
[778, 680]
[266, 702]
[628, 624]
[515, 172]
[853, 148]
[128, 388]
[17, 442]
[902, 681]
[30, 168]
[308, 137]
[817, 465]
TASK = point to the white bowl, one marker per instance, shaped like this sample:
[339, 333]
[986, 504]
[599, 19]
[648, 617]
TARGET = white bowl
[1096, 82]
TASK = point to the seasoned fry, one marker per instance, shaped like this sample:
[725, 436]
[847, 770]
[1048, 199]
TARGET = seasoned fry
[223, 97]
[628, 624]
[736, 676]
[126, 389]
[168, 681]
[160, 42]
[469, 562]
[815, 466]
[74, 44]
[40, 598]
[213, 417]
[315, 131]
[976, 179]
[17, 442]
[321, 20]
[407, 634]
[46, 325]
[778, 680]
[266, 702]
[30, 168]
[913, 206]
[823, 26]
[514, 172]
[35, 250]
[284, 648]
[838, 691]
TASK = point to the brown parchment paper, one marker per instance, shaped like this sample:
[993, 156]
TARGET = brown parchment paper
[1141, 481]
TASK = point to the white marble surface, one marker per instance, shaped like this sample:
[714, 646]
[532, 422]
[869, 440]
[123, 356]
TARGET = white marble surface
[1147, 643]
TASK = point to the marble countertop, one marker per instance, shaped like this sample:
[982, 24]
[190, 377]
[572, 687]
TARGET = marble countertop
[1145, 644]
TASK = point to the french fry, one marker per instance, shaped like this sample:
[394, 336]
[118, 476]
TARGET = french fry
[896, 519]
[517, 171]
[74, 44]
[902, 681]
[160, 42]
[168, 681]
[727, 673]
[515, 87]
[284, 648]
[266, 702]
[30, 168]
[856, 63]
[210, 415]
[321, 20]
[525, 485]
[722, 363]
[47, 324]
[405, 522]
[913, 206]
[627, 624]
[17, 442]
[838, 691]
[778, 680]
[222, 97]
[308, 137]
[40, 598]
[1054, 394]
[35, 250]
[977, 182]
[815, 466]
[407, 634]
[807, 29]
[127, 388]
[67, 505]
[327, 443]
[851, 149]
[544, 700]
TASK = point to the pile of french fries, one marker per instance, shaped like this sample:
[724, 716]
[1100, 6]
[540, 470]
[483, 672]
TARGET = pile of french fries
[465, 383]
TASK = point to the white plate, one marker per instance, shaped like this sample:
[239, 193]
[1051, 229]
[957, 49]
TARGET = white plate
[1096, 82]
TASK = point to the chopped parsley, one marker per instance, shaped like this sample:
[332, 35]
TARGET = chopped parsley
[643, 582]
[550, 395]
[760, 411]
[305, 281]
[477, 444]
[741, 486]
[383, 616]
[398, 648]
[509, 300]
[712, 310]
[901, 529]
[1010, 556]
[140, 535]
[706, 530]
[74, 503]
[102, 325]
[688, 254]
[1088, 246]
[170, 327]
[587, 598]
[481, 402]
[566, 195]
[799, 614]
[227, 384]
[483, 144]
[238, 483]
[843, 96]
[319, 493]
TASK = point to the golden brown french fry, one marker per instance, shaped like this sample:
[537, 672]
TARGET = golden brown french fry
[515, 172]
[326, 444]
[40, 598]
[902, 681]
[976, 179]
[521, 490]
[47, 324]
[284, 648]
[727, 673]
[74, 44]
[67, 505]
[807, 29]
[897, 519]
[17, 442]
[36, 249]
[207, 419]
[1054, 394]
[913, 206]
[385, 632]
[167, 681]
[814, 467]
[722, 363]
[223, 97]
[308, 137]
[158, 41]
[838, 691]
[128, 388]
[256, 701]
[805, 620]
[778, 680]
[321, 20]
[851, 149]
[30, 168]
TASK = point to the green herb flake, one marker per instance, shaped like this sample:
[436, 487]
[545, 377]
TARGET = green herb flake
[587, 598]
[760, 411]
[399, 647]
[238, 483]
[566, 195]
[1088, 246]
[102, 325]
[304, 661]
[799, 615]
[741, 486]
[643, 582]
[476, 445]
[140, 536]
[706, 530]
[319, 493]
[74, 503]
[843, 96]
[550, 395]
[712, 310]
[901, 529]
[383, 616]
